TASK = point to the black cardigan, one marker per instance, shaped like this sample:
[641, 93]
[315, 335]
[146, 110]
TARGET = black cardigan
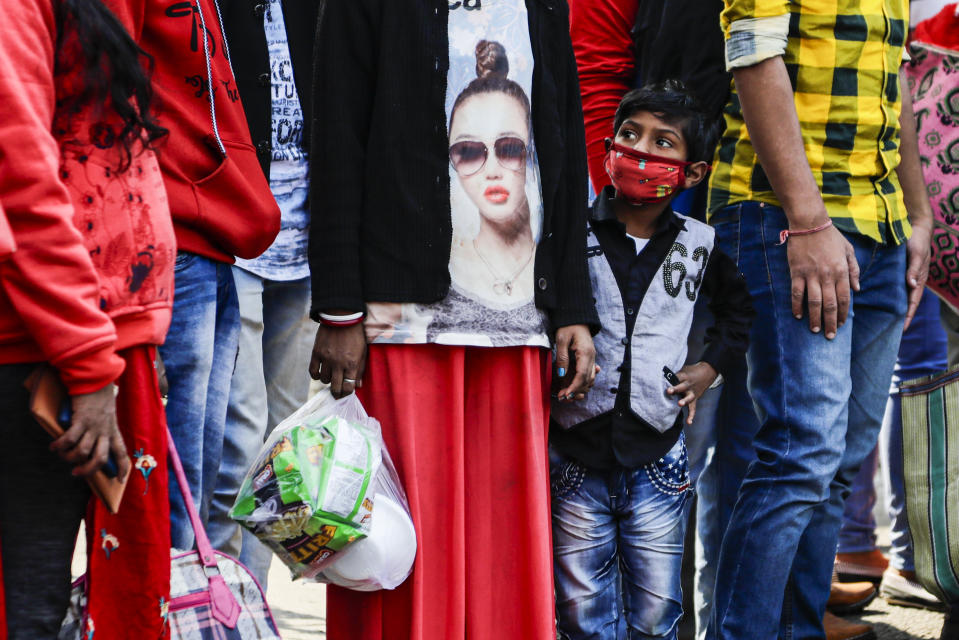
[243, 21]
[380, 192]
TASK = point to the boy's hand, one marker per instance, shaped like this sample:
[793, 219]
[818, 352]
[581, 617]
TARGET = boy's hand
[694, 379]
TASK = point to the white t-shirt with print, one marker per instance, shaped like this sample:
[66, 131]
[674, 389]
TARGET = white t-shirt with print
[286, 259]
[496, 204]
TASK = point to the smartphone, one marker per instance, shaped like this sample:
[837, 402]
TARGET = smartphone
[64, 417]
[670, 376]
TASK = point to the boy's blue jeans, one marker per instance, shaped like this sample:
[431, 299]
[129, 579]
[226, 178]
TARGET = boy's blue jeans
[618, 547]
[820, 403]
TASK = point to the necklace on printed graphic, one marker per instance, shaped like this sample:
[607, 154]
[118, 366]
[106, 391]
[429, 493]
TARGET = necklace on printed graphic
[503, 285]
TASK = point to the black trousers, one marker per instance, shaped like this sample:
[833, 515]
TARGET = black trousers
[41, 507]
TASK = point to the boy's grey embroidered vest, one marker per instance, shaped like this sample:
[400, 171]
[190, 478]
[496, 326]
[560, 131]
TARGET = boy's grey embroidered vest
[659, 335]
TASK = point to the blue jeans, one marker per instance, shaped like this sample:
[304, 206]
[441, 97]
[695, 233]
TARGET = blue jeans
[819, 404]
[271, 382]
[701, 447]
[618, 547]
[921, 353]
[199, 355]
[718, 484]
[701, 442]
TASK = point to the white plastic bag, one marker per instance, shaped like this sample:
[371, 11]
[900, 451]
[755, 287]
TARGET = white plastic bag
[384, 559]
[323, 492]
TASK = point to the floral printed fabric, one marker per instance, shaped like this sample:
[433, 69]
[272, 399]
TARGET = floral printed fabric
[128, 576]
[933, 75]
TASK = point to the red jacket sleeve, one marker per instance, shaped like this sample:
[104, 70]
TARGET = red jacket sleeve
[600, 30]
[7, 245]
[49, 281]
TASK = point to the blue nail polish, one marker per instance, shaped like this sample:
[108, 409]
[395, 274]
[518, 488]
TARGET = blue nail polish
[561, 371]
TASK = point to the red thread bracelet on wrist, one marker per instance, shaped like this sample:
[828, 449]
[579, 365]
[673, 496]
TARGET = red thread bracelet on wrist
[350, 323]
[344, 323]
[785, 233]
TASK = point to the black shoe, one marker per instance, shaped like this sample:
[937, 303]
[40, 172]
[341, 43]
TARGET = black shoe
[950, 626]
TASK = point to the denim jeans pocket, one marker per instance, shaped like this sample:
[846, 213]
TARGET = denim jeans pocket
[670, 474]
[565, 476]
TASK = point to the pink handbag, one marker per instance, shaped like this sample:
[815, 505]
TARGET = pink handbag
[212, 595]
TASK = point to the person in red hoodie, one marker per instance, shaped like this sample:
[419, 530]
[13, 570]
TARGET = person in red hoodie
[222, 207]
[7, 245]
[88, 289]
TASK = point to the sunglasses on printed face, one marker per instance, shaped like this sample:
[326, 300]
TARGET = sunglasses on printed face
[469, 156]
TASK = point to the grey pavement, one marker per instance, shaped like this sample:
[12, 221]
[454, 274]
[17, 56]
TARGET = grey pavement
[900, 623]
[299, 608]
[300, 612]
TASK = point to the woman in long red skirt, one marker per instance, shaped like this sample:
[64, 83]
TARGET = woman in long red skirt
[447, 251]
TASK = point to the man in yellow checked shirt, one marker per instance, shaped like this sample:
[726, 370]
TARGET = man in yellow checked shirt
[818, 194]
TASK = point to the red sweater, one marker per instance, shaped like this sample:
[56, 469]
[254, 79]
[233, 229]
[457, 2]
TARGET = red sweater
[7, 245]
[605, 57]
[123, 217]
[220, 207]
[49, 291]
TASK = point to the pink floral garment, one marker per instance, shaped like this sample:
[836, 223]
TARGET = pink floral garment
[933, 75]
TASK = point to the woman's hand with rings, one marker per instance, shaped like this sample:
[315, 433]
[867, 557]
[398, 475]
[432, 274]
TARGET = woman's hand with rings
[575, 339]
[339, 358]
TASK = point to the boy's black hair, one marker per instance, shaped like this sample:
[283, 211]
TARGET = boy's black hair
[672, 101]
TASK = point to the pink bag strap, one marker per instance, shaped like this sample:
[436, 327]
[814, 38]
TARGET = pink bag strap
[223, 605]
[202, 541]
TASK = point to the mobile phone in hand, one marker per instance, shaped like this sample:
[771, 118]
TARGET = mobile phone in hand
[670, 376]
[64, 417]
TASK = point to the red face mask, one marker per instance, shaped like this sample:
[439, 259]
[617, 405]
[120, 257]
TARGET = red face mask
[643, 178]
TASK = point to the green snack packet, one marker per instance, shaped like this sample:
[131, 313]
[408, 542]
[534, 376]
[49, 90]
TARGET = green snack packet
[306, 496]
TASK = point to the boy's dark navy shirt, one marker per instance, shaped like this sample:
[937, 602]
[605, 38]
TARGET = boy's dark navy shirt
[620, 437]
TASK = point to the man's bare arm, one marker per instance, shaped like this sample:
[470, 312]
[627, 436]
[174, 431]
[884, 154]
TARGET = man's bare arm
[917, 202]
[823, 265]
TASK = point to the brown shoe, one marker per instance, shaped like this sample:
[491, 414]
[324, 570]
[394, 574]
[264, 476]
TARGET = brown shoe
[850, 597]
[866, 565]
[839, 629]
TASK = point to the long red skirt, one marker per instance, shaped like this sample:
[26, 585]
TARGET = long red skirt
[467, 428]
[128, 568]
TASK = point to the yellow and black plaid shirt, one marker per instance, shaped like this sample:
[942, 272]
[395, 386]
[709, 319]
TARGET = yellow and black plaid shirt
[843, 59]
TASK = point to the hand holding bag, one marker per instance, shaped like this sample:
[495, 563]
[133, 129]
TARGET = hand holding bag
[324, 495]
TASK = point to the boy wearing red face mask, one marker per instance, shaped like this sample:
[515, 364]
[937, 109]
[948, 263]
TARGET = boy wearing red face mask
[620, 485]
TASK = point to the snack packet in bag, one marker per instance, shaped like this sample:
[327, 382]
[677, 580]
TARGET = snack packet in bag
[309, 493]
